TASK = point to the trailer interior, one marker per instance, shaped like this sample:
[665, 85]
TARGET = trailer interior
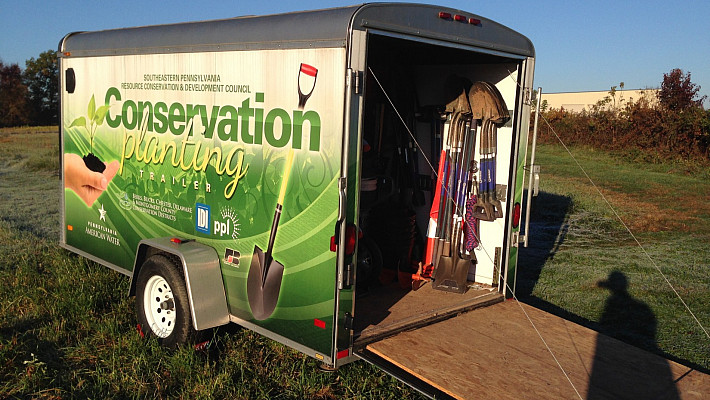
[408, 85]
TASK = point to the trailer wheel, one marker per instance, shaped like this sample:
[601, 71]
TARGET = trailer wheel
[162, 303]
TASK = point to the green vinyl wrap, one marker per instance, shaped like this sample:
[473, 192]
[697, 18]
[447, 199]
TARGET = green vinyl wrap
[199, 143]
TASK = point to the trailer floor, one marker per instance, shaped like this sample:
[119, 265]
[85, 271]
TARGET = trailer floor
[389, 309]
[495, 352]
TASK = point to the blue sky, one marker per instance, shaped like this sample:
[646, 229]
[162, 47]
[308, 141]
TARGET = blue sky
[590, 45]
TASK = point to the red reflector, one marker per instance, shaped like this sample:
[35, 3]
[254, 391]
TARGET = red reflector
[333, 245]
[67, 54]
[474, 21]
[176, 240]
[319, 323]
[516, 215]
[350, 240]
[343, 354]
[366, 146]
[459, 18]
[444, 15]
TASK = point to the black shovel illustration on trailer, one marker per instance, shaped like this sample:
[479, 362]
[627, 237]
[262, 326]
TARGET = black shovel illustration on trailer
[265, 273]
[313, 73]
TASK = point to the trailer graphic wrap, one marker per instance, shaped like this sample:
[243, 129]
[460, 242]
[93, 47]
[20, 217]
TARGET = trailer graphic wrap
[194, 146]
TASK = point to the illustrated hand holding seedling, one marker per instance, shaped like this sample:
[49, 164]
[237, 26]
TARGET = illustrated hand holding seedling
[86, 183]
[88, 177]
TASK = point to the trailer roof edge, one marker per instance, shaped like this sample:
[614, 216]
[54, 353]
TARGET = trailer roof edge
[303, 29]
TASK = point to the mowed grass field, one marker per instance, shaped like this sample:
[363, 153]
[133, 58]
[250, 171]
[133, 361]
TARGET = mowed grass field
[68, 330]
[578, 242]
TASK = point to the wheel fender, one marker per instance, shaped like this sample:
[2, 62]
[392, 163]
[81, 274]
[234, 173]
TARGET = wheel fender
[203, 278]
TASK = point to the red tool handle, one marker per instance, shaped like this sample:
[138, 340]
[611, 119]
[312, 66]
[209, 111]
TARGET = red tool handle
[309, 70]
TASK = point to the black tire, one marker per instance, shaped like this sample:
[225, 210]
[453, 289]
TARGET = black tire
[162, 302]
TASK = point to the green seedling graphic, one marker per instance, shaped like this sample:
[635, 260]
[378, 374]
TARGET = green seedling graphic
[96, 119]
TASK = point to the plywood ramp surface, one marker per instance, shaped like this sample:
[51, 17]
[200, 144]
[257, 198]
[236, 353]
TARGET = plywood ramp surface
[495, 353]
[392, 310]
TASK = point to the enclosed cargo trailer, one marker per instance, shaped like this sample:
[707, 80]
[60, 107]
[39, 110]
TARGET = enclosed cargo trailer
[325, 178]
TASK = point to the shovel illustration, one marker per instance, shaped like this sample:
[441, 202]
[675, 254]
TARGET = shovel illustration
[312, 72]
[265, 273]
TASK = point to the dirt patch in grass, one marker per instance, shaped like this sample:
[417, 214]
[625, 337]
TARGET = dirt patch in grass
[656, 209]
[642, 215]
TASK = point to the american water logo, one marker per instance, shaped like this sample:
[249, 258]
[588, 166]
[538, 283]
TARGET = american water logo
[202, 216]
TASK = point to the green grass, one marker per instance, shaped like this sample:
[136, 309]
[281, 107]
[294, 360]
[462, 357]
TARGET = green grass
[68, 330]
[577, 241]
[67, 327]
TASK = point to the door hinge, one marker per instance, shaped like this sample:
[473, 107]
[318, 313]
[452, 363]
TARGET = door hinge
[354, 79]
[342, 198]
[70, 80]
[527, 99]
[348, 321]
[347, 277]
[536, 180]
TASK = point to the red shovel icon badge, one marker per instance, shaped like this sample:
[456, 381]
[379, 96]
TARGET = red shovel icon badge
[309, 74]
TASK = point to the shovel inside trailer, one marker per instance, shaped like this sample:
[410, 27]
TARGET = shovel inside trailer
[458, 235]
[487, 105]
[460, 200]
[451, 269]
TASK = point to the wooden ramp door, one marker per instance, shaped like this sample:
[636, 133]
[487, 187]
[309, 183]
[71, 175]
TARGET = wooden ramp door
[440, 360]
[496, 353]
[426, 340]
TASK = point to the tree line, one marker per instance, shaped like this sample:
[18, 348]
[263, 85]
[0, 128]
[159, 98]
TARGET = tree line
[30, 97]
[673, 125]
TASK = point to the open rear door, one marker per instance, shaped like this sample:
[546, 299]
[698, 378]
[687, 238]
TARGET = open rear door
[434, 154]
[497, 353]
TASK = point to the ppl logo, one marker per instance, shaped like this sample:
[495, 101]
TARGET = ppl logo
[202, 214]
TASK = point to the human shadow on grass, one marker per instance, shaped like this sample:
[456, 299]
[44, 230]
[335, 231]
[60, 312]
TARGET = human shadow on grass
[549, 227]
[620, 372]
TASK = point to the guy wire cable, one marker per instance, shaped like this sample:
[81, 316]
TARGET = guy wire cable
[613, 210]
[643, 249]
